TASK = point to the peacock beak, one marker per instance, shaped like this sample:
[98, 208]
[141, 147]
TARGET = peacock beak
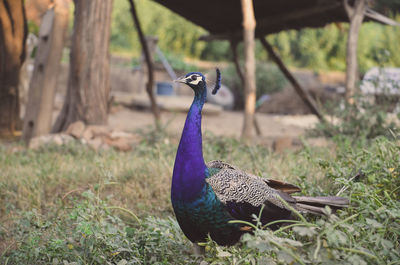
[181, 80]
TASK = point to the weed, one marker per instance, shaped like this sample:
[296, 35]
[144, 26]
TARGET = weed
[71, 205]
[358, 122]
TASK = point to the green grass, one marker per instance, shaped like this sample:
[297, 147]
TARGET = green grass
[72, 205]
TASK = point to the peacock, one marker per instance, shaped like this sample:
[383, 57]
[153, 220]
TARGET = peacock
[207, 196]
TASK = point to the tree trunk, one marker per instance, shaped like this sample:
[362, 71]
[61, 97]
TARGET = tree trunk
[13, 33]
[89, 73]
[356, 16]
[39, 110]
[249, 25]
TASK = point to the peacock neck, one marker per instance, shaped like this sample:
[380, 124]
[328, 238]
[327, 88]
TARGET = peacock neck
[189, 171]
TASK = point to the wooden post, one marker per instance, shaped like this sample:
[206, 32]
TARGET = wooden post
[300, 91]
[249, 25]
[149, 63]
[239, 71]
[39, 110]
[356, 16]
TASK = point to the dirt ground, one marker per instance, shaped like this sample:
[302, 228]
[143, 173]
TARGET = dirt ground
[130, 82]
[226, 123]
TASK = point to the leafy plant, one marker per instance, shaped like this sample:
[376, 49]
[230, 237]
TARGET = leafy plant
[318, 49]
[363, 120]
[71, 205]
[366, 233]
[269, 79]
[177, 62]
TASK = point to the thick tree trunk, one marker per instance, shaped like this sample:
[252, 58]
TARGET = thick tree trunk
[356, 16]
[13, 33]
[89, 74]
[249, 25]
[39, 110]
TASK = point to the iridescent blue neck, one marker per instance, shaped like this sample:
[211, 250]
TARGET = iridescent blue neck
[188, 178]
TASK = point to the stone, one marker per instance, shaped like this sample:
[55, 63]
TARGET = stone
[35, 142]
[282, 143]
[121, 134]
[76, 129]
[66, 138]
[120, 144]
[88, 134]
[58, 139]
[98, 130]
[95, 143]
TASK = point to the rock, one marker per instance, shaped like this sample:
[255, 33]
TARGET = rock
[95, 143]
[121, 144]
[58, 139]
[121, 134]
[98, 130]
[35, 143]
[282, 143]
[39, 141]
[76, 129]
[104, 147]
[88, 134]
[66, 138]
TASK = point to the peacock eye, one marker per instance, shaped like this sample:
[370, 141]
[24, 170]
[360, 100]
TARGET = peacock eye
[194, 77]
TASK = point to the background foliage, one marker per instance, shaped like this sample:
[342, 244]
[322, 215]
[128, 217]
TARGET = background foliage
[318, 49]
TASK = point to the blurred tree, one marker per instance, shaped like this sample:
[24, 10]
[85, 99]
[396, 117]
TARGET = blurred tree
[388, 7]
[13, 33]
[176, 34]
[89, 74]
[39, 110]
[35, 9]
[148, 46]
[356, 16]
[318, 49]
[249, 25]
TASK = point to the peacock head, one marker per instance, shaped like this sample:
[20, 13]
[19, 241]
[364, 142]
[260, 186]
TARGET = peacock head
[197, 81]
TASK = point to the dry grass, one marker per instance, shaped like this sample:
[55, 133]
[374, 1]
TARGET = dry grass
[138, 180]
[66, 203]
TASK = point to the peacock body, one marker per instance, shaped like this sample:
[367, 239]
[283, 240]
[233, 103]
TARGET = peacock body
[205, 197]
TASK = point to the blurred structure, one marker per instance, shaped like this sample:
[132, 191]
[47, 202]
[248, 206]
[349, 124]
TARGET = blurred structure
[382, 86]
[276, 16]
[51, 39]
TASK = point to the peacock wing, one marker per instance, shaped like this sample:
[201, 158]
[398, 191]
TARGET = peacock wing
[217, 165]
[244, 194]
[231, 184]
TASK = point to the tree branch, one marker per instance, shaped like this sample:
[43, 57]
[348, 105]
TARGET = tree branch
[149, 63]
